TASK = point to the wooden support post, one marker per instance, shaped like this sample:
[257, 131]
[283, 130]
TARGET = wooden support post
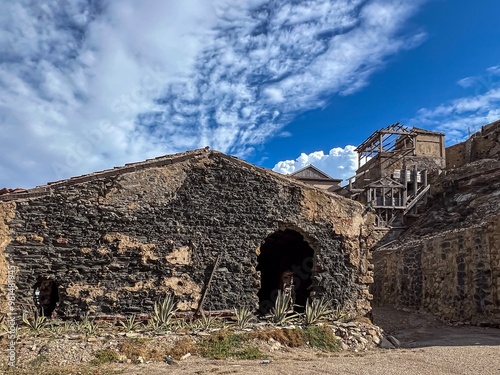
[405, 188]
[415, 186]
[207, 285]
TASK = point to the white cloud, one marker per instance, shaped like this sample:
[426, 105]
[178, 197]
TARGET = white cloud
[460, 117]
[86, 85]
[338, 163]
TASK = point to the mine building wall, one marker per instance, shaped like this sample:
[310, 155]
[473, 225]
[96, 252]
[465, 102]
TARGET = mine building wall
[117, 241]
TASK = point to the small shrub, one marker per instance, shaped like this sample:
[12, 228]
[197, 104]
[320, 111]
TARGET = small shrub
[251, 352]
[182, 347]
[135, 348]
[321, 337]
[291, 337]
[105, 356]
[228, 345]
[38, 361]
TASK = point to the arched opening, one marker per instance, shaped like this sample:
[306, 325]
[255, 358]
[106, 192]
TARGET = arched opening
[285, 259]
[46, 296]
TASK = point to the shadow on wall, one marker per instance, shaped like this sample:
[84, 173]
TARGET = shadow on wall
[46, 296]
[285, 261]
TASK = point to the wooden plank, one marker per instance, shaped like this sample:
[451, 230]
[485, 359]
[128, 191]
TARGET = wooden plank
[207, 285]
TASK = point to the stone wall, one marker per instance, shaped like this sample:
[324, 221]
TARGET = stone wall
[116, 241]
[455, 275]
[430, 144]
[448, 262]
[484, 144]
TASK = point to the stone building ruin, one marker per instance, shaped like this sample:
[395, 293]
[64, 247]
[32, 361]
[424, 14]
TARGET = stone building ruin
[448, 261]
[115, 241]
[392, 178]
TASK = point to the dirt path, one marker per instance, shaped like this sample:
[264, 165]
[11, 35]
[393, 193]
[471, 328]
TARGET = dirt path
[418, 330]
[428, 347]
[483, 360]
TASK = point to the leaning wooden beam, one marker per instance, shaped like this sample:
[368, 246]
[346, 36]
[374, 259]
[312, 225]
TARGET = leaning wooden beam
[207, 286]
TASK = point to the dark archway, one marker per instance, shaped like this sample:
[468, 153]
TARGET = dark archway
[46, 296]
[284, 256]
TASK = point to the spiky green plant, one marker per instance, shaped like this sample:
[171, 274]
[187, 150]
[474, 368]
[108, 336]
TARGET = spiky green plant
[4, 329]
[131, 324]
[244, 316]
[56, 328]
[205, 322]
[163, 312]
[35, 321]
[87, 325]
[316, 310]
[337, 314]
[282, 312]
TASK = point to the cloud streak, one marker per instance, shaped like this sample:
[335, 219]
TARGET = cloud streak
[460, 117]
[85, 86]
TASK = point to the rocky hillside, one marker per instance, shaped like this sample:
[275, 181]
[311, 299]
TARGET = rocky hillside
[461, 198]
[448, 261]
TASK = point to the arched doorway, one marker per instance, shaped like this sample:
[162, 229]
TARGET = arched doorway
[284, 256]
[46, 296]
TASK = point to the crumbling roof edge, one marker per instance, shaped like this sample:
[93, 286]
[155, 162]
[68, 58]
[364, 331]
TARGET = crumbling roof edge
[129, 167]
[47, 189]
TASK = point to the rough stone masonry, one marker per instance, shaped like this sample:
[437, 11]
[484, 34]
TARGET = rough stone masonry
[115, 241]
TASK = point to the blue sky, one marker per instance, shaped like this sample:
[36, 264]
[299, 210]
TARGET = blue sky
[88, 85]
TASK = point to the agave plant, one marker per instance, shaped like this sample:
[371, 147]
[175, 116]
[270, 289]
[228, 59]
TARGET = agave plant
[282, 312]
[35, 322]
[244, 316]
[316, 310]
[205, 322]
[4, 328]
[131, 324]
[56, 328]
[87, 325]
[163, 312]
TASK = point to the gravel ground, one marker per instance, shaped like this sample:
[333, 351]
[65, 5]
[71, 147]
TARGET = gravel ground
[429, 347]
[433, 360]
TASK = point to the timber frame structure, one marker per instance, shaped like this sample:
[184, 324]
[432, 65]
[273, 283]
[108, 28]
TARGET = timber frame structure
[392, 175]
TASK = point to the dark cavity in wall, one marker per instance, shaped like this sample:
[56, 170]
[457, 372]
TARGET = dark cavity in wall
[285, 260]
[46, 296]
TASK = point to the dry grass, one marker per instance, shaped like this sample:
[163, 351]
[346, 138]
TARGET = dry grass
[291, 337]
[60, 370]
[147, 349]
[182, 346]
[155, 350]
[225, 344]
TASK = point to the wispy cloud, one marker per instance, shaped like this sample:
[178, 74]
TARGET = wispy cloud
[86, 85]
[460, 117]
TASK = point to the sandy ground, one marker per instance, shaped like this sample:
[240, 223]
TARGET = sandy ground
[478, 360]
[428, 347]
